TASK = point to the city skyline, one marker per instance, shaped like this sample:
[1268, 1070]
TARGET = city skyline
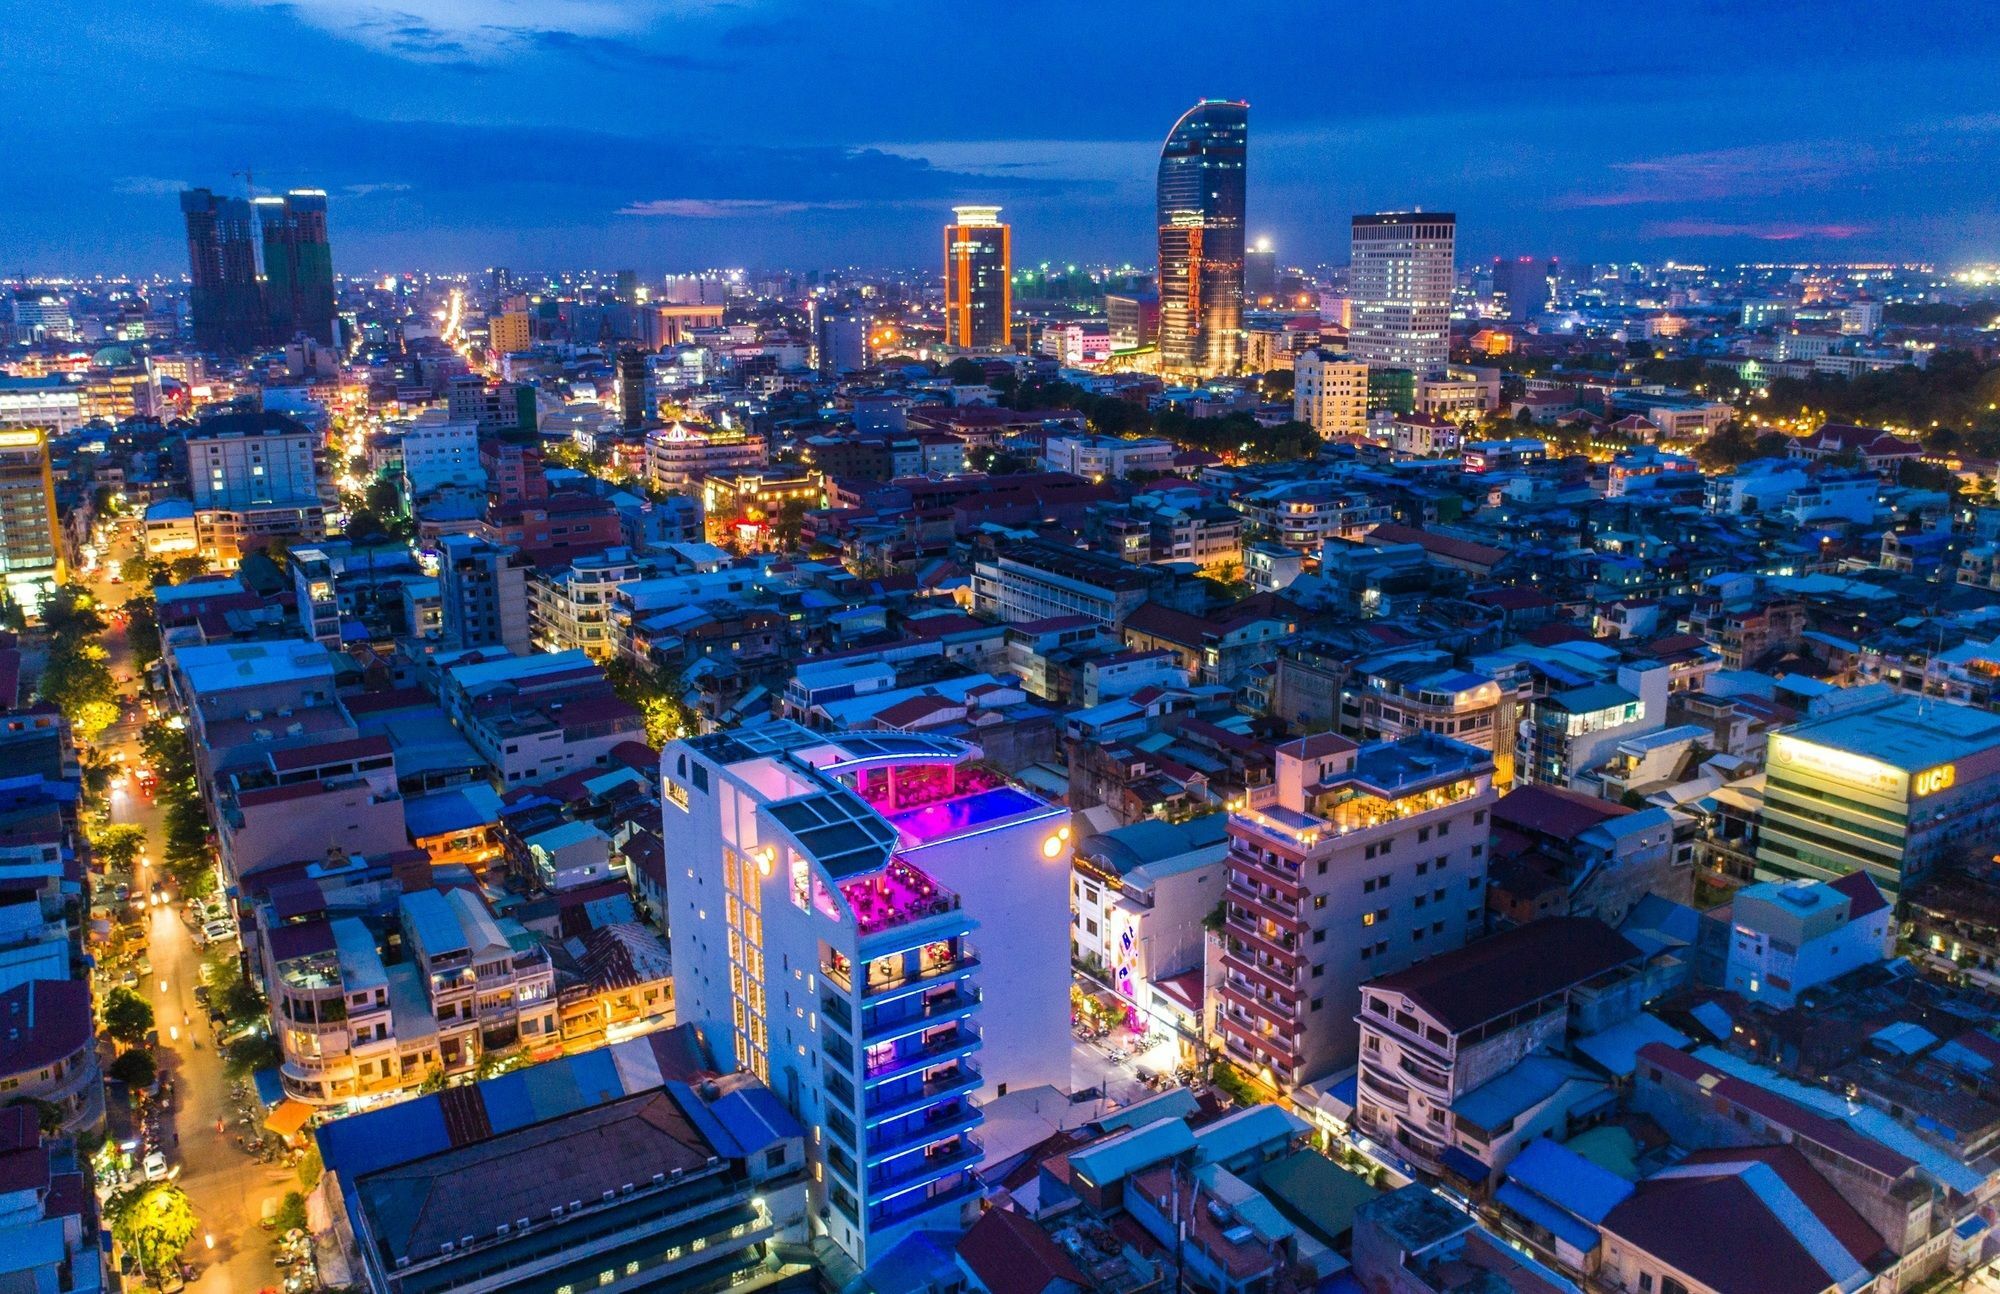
[486, 140]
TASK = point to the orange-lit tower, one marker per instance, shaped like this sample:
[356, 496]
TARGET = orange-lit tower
[978, 280]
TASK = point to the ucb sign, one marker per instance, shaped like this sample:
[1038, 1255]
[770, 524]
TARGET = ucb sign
[1933, 780]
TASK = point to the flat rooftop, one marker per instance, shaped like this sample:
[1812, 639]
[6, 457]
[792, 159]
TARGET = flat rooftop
[1909, 733]
[251, 664]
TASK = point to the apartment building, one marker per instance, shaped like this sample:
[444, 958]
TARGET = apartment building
[570, 606]
[483, 594]
[679, 456]
[532, 718]
[1354, 862]
[824, 896]
[1043, 581]
[351, 1024]
[1330, 393]
[1434, 1032]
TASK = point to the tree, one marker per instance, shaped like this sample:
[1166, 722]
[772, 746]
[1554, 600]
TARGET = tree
[72, 614]
[291, 1215]
[127, 1016]
[249, 1054]
[135, 1068]
[154, 1223]
[965, 372]
[187, 568]
[657, 698]
[143, 572]
[789, 523]
[310, 1167]
[142, 629]
[118, 844]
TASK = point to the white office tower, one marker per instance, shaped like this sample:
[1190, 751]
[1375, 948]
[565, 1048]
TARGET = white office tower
[826, 894]
[1400, 276]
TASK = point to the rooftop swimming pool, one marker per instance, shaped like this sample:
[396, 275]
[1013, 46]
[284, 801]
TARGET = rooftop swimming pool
[963, 816]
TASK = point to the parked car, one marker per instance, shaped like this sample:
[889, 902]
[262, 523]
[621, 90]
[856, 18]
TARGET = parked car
[155, 1165]
[216, 931]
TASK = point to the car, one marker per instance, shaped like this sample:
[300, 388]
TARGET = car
[155, 1166]
[217, 931]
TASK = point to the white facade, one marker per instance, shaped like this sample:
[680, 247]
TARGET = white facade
[438, 453]
[1105, 457]
[1401, 276]
[839, 906]
[1788, 936]
[1330, 393]
[238, 470]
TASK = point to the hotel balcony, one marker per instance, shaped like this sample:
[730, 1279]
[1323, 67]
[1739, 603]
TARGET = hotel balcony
[905, 1057]
[915, 1168]
[1259, 978]
[896, 975]
[1271, 950]
[1279, 911]
[886, 1022]
[890, 1101]
[1254, 1009]
[914, 1203]
[897, 897]
[1255, 1051]
[903, 1135]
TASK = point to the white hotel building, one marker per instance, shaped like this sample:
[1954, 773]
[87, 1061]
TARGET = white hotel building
[826, 895]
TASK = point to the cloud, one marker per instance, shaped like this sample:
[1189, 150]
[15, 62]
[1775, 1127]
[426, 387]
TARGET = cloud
[727, 208]
[1759, 170]
[366, 190]
[1769, 231]
[442, 31]
[148, 186]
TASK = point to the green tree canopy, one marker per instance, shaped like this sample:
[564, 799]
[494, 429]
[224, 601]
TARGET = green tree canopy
[135, 1068]
[127, 1016]
[118, 844]
[154, 1223]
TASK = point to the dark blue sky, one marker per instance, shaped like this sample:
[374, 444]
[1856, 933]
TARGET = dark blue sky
[669, 134]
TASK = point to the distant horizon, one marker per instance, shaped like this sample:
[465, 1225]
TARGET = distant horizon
[660, 133]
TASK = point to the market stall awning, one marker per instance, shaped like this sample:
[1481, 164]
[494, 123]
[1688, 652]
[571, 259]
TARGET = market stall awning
[289, 1117]
[269, 1089]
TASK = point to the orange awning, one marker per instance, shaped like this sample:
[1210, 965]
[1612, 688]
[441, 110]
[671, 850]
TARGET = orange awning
[288, 1117]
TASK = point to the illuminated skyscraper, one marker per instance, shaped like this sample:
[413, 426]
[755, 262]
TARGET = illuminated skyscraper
[31, 547]
[1201, 238]
[1401, 280]
[227, 302]
[978, 280]
[298, 265]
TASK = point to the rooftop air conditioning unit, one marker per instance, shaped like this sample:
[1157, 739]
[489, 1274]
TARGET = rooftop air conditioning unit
[575, 1206]
[610, 1195]
[626, 1189]
[465, 1242]
[447, 1247]
[556, 1212]
[520, 1224]
[658, 1178]
[401, 1263]
[505, 1228]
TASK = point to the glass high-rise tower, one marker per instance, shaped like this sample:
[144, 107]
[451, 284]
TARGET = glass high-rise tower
[298, 265]
[227, 302]
[1201, 188]
[978, 280]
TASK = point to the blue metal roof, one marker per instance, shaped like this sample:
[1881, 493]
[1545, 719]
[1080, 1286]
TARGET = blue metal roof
[1560, 1175]
[1580, 1236]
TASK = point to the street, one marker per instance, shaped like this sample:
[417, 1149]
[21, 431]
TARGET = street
[227, 1187]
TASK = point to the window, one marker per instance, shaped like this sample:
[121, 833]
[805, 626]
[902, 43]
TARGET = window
[1319, 971]
[1319, 936]
[1422, 867]
[1319, 1003]
[1668, 1285]
[1319, 902]
[1478, 816]
[1423, 834]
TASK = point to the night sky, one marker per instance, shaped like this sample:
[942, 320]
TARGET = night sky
[673, 134]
